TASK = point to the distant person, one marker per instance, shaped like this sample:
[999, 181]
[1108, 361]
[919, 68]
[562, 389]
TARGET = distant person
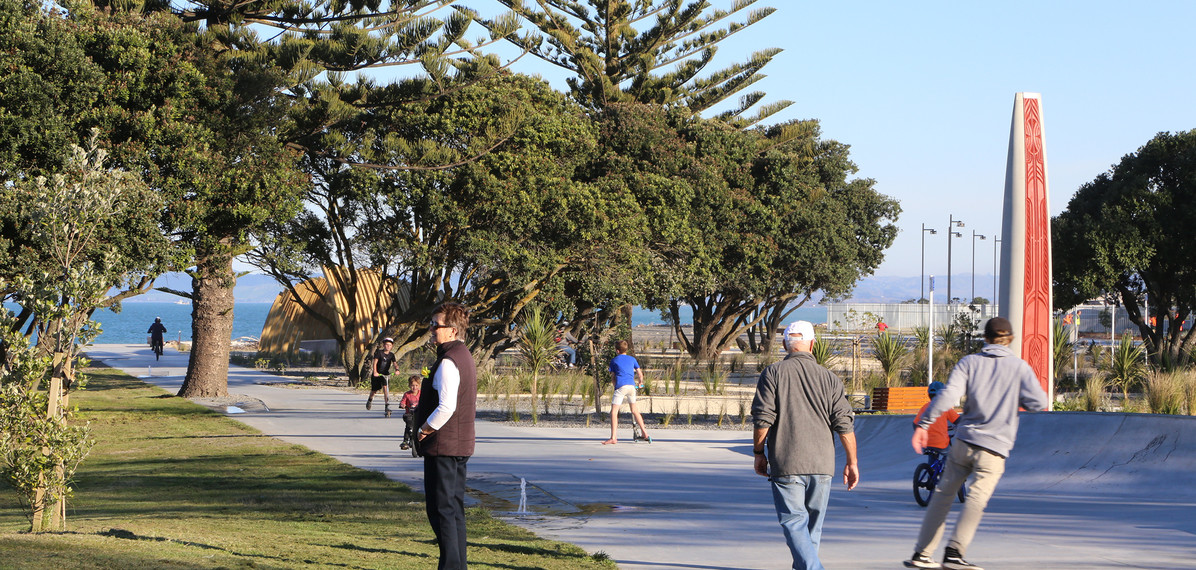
[628, 376]
[445, 414]
[156, 331]
[881, 326]
[996, 382]
[939, 437]
[380, 378]
[798, 407]
[565, 342]
[409, 401]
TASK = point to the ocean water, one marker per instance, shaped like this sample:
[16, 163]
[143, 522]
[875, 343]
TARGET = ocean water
[129, 326]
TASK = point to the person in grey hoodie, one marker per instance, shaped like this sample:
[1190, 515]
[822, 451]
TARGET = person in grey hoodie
[798, 406]
[996, 382]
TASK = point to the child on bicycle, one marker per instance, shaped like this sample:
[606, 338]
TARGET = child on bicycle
[410, 400]
[940, 436]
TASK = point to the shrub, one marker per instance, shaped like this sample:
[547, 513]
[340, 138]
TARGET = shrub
[1093, 399]
[714, 380]
[1165, 392]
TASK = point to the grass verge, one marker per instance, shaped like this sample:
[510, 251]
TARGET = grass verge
[171, 484]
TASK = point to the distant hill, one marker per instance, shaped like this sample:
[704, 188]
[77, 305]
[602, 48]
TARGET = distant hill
[897, 289]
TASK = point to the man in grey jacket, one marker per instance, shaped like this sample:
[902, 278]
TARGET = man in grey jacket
[996, 382]
[797, 408]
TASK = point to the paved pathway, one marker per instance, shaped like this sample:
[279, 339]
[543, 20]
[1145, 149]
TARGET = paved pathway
[1081, 490]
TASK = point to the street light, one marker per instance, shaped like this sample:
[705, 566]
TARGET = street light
[952, 223]
[923, 281]
[974, 236]
[996, 293]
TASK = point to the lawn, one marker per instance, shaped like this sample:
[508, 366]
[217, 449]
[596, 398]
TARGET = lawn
[171, 484]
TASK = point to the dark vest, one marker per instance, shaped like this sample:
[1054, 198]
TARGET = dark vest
[456, 437]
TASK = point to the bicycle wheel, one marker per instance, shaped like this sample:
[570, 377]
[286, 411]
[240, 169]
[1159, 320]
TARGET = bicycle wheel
[923, 484]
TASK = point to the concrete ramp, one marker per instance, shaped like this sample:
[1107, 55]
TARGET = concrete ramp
[1068, 452]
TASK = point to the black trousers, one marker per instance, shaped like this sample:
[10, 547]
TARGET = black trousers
[444, 492]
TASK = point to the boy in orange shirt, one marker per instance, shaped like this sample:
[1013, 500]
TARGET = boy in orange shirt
[939, 437]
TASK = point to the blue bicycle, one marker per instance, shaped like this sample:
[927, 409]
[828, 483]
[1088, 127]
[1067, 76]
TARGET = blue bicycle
[927, 475]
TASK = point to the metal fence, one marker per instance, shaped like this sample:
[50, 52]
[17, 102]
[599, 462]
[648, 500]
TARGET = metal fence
[903, 317]
[900, 317]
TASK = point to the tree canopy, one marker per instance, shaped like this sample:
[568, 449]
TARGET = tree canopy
[742, 227]
[496, 232]
[1128, 234]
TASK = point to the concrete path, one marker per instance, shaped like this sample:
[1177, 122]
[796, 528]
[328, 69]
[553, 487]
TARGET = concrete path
[1080, 491]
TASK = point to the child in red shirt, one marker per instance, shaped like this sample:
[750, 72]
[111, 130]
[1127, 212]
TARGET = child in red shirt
[410, 400]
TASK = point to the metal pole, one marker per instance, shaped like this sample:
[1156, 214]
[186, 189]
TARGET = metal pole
[974, 236]
[996, 293]
[922, 282]
[952, 223]
[930, 333]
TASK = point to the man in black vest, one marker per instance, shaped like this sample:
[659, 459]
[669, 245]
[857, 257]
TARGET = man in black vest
[445, 414]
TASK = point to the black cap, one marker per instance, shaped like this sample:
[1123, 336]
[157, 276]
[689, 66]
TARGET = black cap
[998, 327]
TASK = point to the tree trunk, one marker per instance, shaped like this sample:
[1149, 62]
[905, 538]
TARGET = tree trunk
[211, 328]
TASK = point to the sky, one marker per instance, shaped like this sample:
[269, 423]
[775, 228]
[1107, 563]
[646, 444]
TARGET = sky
[923, 92]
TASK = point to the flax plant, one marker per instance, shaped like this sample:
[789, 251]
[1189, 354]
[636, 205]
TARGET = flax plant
[1127, 365]
[893, 354]
[537, 348]
[823, 351]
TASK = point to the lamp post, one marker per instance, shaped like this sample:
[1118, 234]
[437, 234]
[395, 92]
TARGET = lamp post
[923, 281]
[930, 336]
[974, 237]
[996, 293]
[952, 223]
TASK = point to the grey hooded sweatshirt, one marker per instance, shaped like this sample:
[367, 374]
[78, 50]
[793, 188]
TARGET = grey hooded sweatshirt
[996, 382]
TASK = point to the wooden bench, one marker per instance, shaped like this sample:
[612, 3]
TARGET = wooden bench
[903, 400]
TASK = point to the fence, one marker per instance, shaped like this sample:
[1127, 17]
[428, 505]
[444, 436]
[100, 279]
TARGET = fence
[900, 317]
[903, 317]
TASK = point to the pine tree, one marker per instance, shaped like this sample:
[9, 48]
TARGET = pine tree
[646, 51]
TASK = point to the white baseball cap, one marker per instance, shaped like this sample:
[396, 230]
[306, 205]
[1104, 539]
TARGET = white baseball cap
[803, 328]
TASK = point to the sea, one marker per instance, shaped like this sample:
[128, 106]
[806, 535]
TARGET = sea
[129, 326]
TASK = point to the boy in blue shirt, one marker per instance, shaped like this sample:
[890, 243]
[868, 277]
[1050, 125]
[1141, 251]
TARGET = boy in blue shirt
[628, 376]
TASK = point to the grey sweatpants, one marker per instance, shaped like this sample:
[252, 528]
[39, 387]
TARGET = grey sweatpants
[963, 460]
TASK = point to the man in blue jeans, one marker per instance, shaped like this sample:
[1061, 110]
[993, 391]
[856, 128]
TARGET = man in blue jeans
[798, 405]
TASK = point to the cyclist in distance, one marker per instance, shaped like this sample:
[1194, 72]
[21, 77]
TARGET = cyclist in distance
[156, 331]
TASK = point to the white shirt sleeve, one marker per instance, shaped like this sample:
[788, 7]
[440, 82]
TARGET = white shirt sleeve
[446, 382]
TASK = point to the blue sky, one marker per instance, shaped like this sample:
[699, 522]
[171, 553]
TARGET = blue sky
[923, 92]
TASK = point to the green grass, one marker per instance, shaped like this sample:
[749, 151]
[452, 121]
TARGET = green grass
[171, 484]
